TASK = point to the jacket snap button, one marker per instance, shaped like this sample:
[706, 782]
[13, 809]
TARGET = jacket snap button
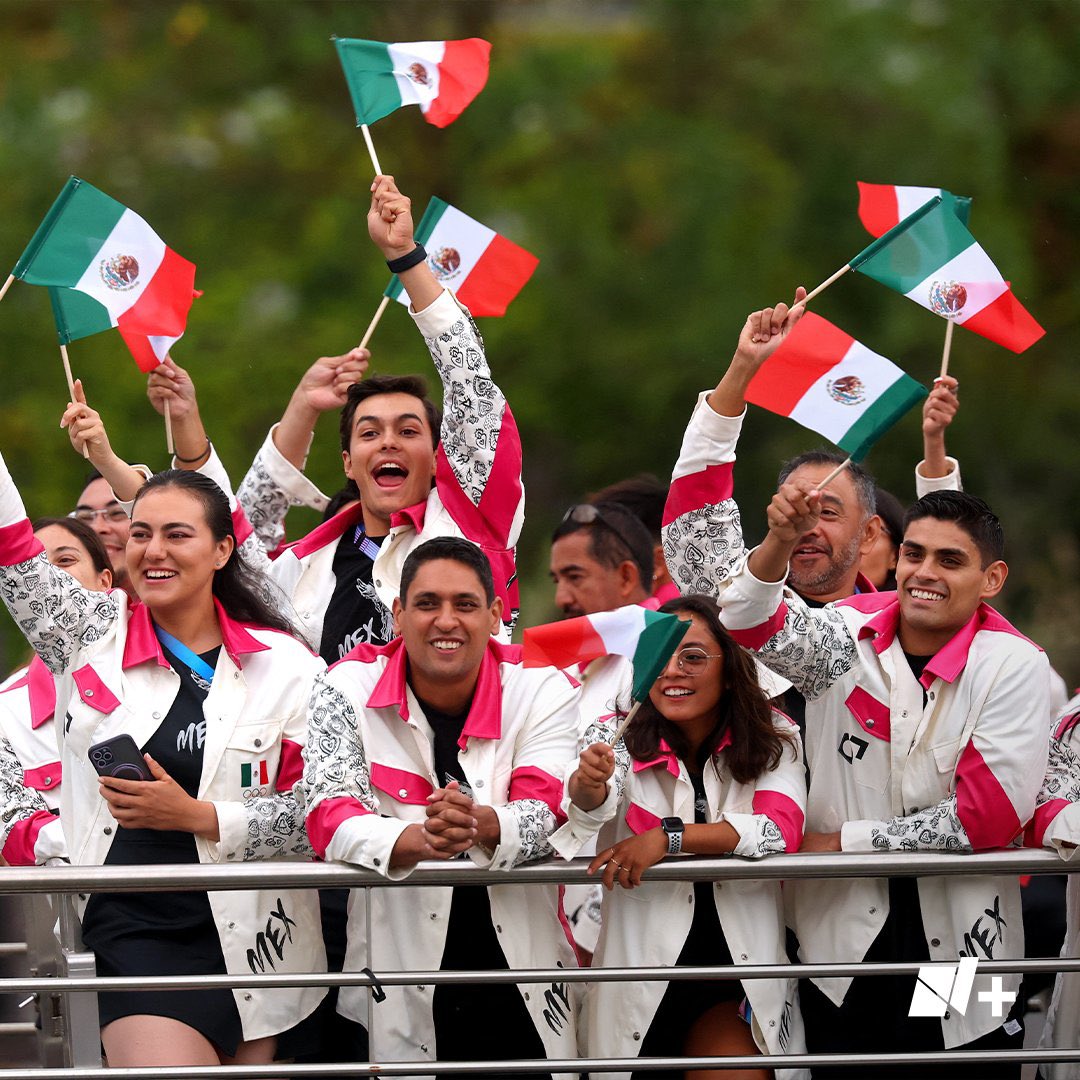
[247, 997]
[479, 783]
[48, 780]
[772, 1023]
[873, 911]
[377, 862]
[232, 926]
[423, 1048]
[637, 1036]
[433, 915]
[869, 723]
[378, 584]
[935, 942]
[157, 716]
[526, 996]
[403, 792]
[742, 956]
[107, 830]
[258, 743]
[498, 929]
[89, 693]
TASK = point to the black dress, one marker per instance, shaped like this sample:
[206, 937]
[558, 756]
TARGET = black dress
[143, 935]
[686, 1000]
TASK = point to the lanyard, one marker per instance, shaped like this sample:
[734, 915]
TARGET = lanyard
[193, 660]
[367, 545]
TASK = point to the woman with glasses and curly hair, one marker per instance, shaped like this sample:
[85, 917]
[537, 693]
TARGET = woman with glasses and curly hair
[706, 767]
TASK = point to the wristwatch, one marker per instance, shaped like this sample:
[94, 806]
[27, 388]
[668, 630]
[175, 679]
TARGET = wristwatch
[673, 827]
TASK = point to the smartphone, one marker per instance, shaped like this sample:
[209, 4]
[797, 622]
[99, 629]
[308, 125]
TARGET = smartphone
[119, 757]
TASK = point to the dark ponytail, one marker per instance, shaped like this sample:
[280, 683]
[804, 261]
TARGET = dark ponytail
[238, 588]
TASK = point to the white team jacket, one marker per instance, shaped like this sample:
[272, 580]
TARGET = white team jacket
[648, 926]
[959, 773]
[368, 772]
[478, 491]
[29, 756]
[1056, 825]
[112, 678]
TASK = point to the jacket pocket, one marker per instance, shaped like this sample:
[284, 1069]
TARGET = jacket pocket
[400, 785]
[252, 753]
[946, 755]
[870, 714]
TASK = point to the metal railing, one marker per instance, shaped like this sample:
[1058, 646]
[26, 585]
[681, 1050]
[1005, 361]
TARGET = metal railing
[75, 981]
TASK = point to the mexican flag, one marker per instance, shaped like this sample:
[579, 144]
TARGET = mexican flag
[647, 638]
[832, 384]
[78, 315]
[483, 269]
[932, 259]
[442, 77]
[106, 267]
[883, 206]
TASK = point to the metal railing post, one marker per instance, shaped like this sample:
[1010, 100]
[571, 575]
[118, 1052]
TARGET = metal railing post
[82, 1030]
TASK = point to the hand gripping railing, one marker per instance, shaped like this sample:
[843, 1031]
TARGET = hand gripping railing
[284, 874]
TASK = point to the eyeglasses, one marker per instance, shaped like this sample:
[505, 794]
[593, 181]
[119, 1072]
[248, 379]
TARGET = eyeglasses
[112, 514]
[693, 662]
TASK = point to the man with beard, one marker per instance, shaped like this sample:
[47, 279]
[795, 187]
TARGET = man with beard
[702, 531]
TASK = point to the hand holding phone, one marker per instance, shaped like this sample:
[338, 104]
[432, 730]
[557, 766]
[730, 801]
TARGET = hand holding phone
[119, 757]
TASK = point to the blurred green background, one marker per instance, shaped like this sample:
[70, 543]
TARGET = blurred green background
[673, 165]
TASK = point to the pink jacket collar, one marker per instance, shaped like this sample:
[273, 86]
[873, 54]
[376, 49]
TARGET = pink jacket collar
[667, 758]
[328, 532]
[485, 714]
[142, 643]
[410, 515]
[41, 691]
[949, 661]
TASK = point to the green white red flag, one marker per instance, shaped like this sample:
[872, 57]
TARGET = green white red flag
[832, 384]
[106, 267]
[483, 269]
[442, 77]
[932, 259]
[647, 638]
[883, 206]
[78, 315]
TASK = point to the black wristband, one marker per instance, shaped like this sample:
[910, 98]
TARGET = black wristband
[197, 457]
[407, 262]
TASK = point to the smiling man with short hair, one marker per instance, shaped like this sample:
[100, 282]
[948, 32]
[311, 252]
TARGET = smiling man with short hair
[926, 731]
[436, 746]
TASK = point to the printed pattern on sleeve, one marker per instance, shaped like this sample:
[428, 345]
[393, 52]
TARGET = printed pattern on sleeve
[535, 823]
[55, 613]
[702, 546]
[937, 828]
[473, 405]
[18, 802]
[812, 650]
[598, 732]
[265, 504]
[275, 826]
[335, 764]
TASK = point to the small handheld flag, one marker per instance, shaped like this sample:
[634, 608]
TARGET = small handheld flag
[832, 384]
[932, 259]
[442, 77]
[883, 206]
[647, 638]
[106, 267]
[483, 269]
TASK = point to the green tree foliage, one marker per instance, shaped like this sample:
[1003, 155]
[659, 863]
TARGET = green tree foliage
[673, 165]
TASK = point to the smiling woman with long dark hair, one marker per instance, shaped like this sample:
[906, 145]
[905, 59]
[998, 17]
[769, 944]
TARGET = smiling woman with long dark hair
[205, 679]
[706, 767]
